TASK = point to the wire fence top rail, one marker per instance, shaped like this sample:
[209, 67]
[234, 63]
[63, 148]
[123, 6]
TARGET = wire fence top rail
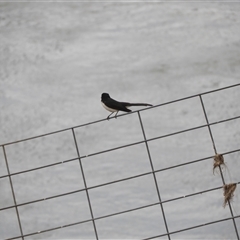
[104, 119]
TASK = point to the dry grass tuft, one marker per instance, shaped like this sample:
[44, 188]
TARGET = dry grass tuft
[228, 190]
[218, 161]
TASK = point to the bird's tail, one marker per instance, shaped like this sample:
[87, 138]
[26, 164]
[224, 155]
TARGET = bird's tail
[139, 104]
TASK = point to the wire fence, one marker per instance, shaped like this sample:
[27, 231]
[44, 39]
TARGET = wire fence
[19, 212]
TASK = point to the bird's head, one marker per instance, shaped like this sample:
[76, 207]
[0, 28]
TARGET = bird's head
[105, 96]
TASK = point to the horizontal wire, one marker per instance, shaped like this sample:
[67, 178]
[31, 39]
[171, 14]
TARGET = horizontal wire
[135, 209]
[101, 185]
[41, 167]
[193, 227]
[43, 199]
[161, 235]
[101, 120]
[115, 181]
[51, 229]
[123, 146]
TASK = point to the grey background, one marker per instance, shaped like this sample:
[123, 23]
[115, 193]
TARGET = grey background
[56, 60]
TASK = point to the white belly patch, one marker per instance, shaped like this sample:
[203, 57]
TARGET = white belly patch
[109, 109]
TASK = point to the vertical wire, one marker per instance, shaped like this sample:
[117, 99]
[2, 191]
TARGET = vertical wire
[215, 150]
[85, 184]
[209, 129]
[154, 175]
[13, 194]
[211, 135]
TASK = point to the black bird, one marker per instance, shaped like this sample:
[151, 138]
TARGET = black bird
[115, 106]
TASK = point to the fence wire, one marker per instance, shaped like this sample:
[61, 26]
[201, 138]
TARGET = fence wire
[159, 202]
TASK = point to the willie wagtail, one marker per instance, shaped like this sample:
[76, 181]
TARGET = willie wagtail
[115, 106]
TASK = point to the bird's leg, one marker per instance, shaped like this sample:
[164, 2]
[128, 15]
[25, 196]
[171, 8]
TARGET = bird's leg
[116, 114]
[109, 116]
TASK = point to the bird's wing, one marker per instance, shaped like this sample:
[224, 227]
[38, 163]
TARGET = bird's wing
[121, 106]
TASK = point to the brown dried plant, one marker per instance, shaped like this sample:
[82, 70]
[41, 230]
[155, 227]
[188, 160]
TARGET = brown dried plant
[228, 192]
[218, 161]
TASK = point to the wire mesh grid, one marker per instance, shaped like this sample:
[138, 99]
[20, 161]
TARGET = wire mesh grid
[101, 203]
